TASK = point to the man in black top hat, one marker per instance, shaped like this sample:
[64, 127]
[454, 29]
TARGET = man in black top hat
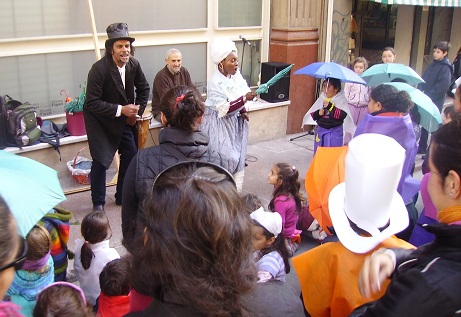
[117, 91]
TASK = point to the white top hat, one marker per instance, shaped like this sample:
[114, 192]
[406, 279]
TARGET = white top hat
[368, 197]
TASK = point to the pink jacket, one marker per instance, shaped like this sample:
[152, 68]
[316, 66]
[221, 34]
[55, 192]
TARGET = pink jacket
[286, 207]
[357, 95]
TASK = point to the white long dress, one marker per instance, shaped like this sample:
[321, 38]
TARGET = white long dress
[228, 132]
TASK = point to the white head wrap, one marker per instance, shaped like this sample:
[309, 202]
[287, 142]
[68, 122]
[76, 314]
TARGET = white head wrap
[272, 221]
[220, 49]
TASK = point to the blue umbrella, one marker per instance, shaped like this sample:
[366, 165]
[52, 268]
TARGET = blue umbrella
[325, 70]
[430, 114]
[29, 188]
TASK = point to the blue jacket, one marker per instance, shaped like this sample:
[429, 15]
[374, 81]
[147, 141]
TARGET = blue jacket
[438, 78]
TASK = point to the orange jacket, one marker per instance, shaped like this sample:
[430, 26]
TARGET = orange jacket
[328, 275]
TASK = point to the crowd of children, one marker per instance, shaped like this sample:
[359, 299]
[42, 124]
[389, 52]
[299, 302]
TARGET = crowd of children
[194, 259]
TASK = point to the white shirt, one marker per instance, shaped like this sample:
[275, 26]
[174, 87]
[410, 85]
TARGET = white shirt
[89, 279]
[121, 70]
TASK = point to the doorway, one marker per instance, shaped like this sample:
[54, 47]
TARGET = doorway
[373, 28]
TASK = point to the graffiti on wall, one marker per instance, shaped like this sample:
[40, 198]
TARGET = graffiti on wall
[340, 37]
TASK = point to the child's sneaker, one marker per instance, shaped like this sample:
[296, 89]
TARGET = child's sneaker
[319, 234]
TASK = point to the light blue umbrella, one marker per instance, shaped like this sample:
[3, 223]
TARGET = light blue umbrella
[430, 114]
[29, 188]
[383, 73]
[324, 70]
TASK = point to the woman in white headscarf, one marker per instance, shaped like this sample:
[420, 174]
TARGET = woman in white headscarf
[226, 119]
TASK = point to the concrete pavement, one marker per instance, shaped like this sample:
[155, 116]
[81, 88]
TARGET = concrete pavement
[260, 158]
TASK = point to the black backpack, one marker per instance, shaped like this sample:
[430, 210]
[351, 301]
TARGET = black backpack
[20, 122]
[52, 132]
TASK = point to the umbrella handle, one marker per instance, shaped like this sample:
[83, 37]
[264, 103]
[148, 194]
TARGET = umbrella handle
[67, 95]
[68, 99]
[83, 86]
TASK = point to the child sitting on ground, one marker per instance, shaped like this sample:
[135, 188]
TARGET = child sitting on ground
[114, 300]
[272, 253]
[251, 202]
[57, 224]
[36, 273]
[92, 253]
[286, 200]
[62, 299]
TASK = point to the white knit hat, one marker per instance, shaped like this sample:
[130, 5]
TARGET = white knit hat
[220, 49]
[272, 221]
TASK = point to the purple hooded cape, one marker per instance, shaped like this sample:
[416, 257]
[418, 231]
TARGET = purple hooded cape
[401, 130]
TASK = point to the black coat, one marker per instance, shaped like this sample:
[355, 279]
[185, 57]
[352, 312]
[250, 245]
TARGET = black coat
[104, 93]
[427, 282]
[149, 162]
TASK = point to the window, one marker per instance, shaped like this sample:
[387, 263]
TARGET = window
[47, 45]
[239, 13]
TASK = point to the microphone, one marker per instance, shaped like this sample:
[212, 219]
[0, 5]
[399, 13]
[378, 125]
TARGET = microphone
[245, 40]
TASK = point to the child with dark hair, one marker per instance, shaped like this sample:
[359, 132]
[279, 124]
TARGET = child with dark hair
[388, 55]
[251, 202]
[269, 243]
[331, 113]
[389, 115]
[114, 300]
[437, 77]
[62, 299]
[92, 253]
[36, 273]
[287, 200]
[448, 114]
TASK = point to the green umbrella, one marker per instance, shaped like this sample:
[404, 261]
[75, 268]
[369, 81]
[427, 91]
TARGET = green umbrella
[384, 73]
[264, 88]
[430, 114]
[76, 105]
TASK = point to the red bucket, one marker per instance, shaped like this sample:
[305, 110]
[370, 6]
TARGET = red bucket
[75, 123]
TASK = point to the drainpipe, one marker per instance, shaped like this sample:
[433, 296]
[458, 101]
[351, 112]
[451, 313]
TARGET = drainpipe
[329, 30]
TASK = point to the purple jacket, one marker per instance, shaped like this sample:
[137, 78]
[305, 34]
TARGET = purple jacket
[401, 130]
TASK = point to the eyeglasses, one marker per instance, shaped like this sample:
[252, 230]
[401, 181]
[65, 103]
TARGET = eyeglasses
[20, 259]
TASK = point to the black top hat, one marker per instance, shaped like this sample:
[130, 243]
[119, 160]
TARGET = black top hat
[118, 31]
